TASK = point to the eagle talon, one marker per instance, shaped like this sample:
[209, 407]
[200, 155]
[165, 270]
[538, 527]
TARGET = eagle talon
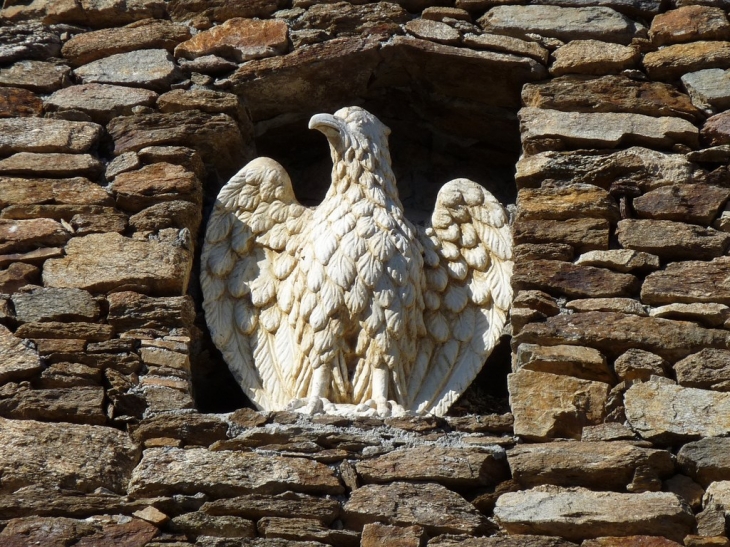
[311, 405]
[381, 408]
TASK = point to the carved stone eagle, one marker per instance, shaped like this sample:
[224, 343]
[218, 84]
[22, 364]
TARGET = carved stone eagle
[348, 303]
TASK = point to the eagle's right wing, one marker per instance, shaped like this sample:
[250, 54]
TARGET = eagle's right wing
[247, 271]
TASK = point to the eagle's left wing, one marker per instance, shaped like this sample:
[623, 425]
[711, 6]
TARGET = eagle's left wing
[468, 267]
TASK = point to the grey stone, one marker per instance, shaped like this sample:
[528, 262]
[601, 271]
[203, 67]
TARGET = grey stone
[433, 30]
[288, 504]
[706, 460]
[709, 89]
[46, 135]
[42, 304]
[37, 76]
[620, 305]
[151, 68]
[27, 41]
[17, 360]
[129, 161]
[707, 369]
[101, 102]
[200, 524]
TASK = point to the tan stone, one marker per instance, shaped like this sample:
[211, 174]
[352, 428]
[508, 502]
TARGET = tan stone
[152, 515]
[435, 31]
[46, 135]
[572, 280]
[51, 165]
[36, 256]
[167, 471]
[23, 235]
[101, 102]
[18, 191]
[43, 304]
[707, 369]
[631, 541]
[18, 275]
[671, 240]
[621, 260]
[542, 251]
[552, 510]
[710, 314]
[689, 23]
[192, 429]
[599, 465]
[199, 524]
[213, 102]
[695, 203]
[690, 281]
[671, 62]
[566, 202]
[718, 494]
[637, 364]
[168, 214]
[289, 504]
[136, 190]
[575, 361]
[102, 13]
[540, 128]
[19, 103]
[593, 57]
[37, 76]
[583, 234]
[56, 329]
[716, 130]
[686, 489]
[516, 540]
[149, 68]
[652, 411]
[130, 310]
[293, 529]
[86, 47]
[352, 19]
[548, 406]
[432, 506]
[102, 262]
[204, 14]
[377, 534]
[238, 39]
[621, 305]
[17, 360]
[614, 333]
[507, 44]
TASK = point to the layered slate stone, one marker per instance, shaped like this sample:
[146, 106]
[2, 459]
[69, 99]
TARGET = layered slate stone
[541, 128]
[36, 76]
[711, 314]
[227, 473]
[610, 465]
[103, 13]
[101, 262]
[572, 279]
[434, 31]
[68, 456]
[589, 23]
[696, 203]
[32, 164]
[287, 504]
[614, 333]
[101, 102]
[620, 260]
[576, 361]
[17, 360]
[690, 281]
[293, 529]
[671, 62]
[199, 524]
[136, 190]
[706, 369]
[706, 460]
[74, 191]
[689, 23]
[552, 511]
[566, 202]
[24, 235]
[42, 304]
[130, 310]
[709, 89]
[348, 19]
[28, 41]
[46, 135]
[716, 130]
[653, 411]
[432, 506]
[621, 305]
[672, 240]
[203, 15]
[637, 364]
[452, 467]
[593, 57]
[610, 94]
[150, 68]
[547, 405]
[80, 404]
[517, 540]
[507, 44]
[583, 234]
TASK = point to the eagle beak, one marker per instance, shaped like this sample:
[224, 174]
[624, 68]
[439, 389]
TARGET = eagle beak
[328, 124]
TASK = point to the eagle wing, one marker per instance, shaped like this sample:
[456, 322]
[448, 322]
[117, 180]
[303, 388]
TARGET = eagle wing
[247, 266]
[467, 268]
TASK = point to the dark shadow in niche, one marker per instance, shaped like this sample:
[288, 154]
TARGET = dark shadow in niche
[434, 139]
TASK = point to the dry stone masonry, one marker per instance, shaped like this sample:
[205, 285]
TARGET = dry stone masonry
[604, 122]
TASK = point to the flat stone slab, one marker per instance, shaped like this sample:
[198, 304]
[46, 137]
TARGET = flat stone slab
[694, 203]
[168, 471]
[672, 240]
[287, 504]
[710, 314]
[17, 360]
[593, 57]
[51, 165]
[432, 506]
[101, 262]
[708, 89]
[19, 103]
[672, 62]
[584, 23]
[69, 456]
[553, 511]
[620, 260]
[707, 369]
[46, 135]
[45, 304]
[689, 281]
[517, 540]
[603, 130]
[151, 68]
[668, 413]
[100, 101]
[688, 24]
[37, 191]
[28, 41]
[566, 202]
[36, 76]
[507, 44]
[621, 305]
[706, 460]
[576, 361]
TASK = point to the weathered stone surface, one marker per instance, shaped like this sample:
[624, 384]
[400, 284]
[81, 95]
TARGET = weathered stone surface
[63, 375]
[635, 168]
[620, 260]
[200, 524]
[608, 431]
[17, 360]
[37, 76]
[637, 364]
[178, 155]
[377, 534]
[18, 275]
[710, 314]
[289, 504]
[609, 94]
[552, 511]
[306, 530]
[170, 214]
[238, 39]
[671, 62]
[53, 532]
[46, 135]
[583, 234]
[536, 300]
[205, 100]
[136, 190]
[103, 13]
[667, 413]
[56, 329]
[686, 489]
[28, 41]
[517, 540]
[51, 165]
[110, 220]
[718, 495]
[706, 460]
[707, 369]
[101, 102]
[716, 130]
[19, 103]
[696, 203]
[131, 310]
[435, 31]
[601, 130]
[599, 465]
[42, 304]
[101, 262]
[208, 64]
[147, 34]
[507, 44]
[689, 23]
[576, 361]
[167, 471]
[631, 541]
[589, 23]
[204, 14]
[542, 251]
[432, 506]
[691, 281]
[708, 89]
[572, 280]
[452, 467]
[345, 19]
[216, 137]
[75, 191]
[711, 521]
[593, 57]
[151, 68]
[566, 202]
[621, 305]
[195, 429]
[672, 240]
[22, 235]
[614, 333]
[549, 405]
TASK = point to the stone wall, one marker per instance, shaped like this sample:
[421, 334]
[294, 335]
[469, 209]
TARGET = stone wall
[121, 119]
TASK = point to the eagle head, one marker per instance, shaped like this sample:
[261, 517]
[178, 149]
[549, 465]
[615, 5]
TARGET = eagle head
[352, 128]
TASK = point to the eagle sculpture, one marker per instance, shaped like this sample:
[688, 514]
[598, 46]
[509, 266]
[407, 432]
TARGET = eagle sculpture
[348, 305]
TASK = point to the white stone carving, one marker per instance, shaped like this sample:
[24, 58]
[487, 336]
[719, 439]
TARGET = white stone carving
[348, 307]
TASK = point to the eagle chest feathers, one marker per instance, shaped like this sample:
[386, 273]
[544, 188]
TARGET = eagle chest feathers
[348, 305]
